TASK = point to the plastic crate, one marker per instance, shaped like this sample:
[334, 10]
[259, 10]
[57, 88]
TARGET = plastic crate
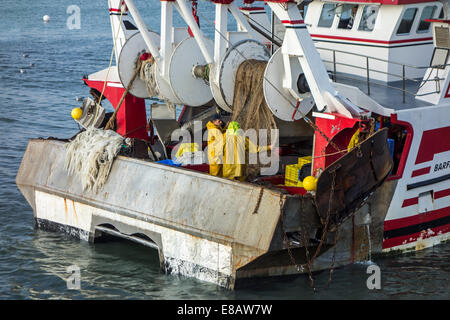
[293, 172]
[391, 144]
[304, 160]
[291, 175]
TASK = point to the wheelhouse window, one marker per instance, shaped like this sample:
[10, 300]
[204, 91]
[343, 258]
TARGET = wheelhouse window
[368, 18]
[407, 21]
[347, 16]
[327, 15]
[427, 13]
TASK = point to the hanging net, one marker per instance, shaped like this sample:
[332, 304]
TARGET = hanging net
[250, 109]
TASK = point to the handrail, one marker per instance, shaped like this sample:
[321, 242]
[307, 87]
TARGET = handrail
[374, 58]
[368, 70]
[392, 87]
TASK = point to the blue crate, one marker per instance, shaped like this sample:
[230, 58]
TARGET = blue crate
[391, 143]
[170, 162]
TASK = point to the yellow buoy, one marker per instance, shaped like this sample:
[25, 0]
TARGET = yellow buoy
[310, 183]
[77, 113]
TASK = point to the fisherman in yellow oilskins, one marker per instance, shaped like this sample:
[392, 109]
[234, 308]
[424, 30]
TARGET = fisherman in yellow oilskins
[235, 149]
[215, 145]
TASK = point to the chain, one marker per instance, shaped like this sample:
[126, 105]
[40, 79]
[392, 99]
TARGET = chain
[285, 239]
[327, 221]
[308, 261]
[336, 236]
[305, 241]
[258, 202]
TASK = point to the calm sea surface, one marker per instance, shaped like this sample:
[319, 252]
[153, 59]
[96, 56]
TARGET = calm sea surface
[37, 103]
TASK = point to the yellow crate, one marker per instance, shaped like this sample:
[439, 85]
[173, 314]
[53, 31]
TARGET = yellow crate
[291, 175]
[292, 172]
[304, 160]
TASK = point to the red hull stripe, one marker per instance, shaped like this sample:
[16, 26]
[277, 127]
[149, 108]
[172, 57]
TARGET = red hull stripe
[370, 40]
[436, 195]
[442, 194]
[393, 242]
[420, 172]
[433, 141]
[416, 219]
[410, 202]
[293, 21]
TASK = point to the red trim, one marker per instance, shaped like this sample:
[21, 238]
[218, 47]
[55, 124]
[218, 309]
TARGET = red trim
[442, 194]
[406, 147]
[437, 20]
[416, 219]
[447, 93]
[252, 8]
[393, 242]
[370, 40]
[293, 190]
[436, 195]
[420, 172]
[101, 82]
[293, 21]
[222, 1]
[433, 142]
[410, 202]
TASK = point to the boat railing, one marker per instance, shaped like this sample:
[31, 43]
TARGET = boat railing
[368, 70]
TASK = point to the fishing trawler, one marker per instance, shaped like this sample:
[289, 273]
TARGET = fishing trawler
[381, 181]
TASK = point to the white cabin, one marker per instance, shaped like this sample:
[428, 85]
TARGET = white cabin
[393, 33]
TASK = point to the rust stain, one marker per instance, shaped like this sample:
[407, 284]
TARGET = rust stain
[238, 264]
[65, 206]
[74, 211]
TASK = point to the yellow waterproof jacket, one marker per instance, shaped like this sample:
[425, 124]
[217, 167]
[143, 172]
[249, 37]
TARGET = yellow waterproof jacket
[234, 155]
[215, 149]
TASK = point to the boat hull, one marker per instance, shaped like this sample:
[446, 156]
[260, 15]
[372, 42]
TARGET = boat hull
[210, 228]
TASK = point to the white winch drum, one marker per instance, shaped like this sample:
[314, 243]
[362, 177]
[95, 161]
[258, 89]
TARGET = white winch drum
[191, 91]
[223, 91]
[131, 51]
[279, 100]
[164, 88]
